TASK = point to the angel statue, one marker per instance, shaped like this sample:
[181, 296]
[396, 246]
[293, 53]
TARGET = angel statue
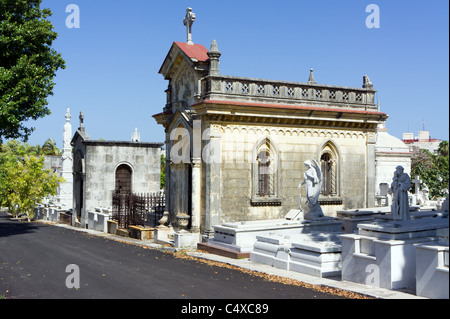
[313, 185]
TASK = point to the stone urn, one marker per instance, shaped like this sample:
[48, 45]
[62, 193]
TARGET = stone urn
[164, 219]
[183, 221]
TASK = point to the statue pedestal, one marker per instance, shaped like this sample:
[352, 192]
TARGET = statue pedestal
[384, 254]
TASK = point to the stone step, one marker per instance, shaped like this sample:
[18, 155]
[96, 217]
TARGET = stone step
[222, 251]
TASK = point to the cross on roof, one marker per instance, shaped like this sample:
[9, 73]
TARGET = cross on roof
[81, 121]
[188, 21]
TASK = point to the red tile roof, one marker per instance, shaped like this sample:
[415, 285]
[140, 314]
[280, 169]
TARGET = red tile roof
[196, 51]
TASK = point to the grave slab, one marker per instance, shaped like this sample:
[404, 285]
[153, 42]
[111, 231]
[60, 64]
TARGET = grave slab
[316, 254]
[241, 236]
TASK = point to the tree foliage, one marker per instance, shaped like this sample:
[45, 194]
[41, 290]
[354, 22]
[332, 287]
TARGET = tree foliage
[28, 65]
[433, 169]
[23, 180]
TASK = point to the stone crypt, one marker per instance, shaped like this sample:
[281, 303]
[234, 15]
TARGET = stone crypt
[235, 146]
[102, 168]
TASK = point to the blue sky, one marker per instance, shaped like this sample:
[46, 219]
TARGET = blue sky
[114, 57]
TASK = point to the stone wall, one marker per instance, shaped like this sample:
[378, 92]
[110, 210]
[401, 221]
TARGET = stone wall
[102, 160]
[292, 146]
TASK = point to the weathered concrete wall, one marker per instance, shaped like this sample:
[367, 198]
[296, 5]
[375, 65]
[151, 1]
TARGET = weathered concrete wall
[102, 160]
[294, 146]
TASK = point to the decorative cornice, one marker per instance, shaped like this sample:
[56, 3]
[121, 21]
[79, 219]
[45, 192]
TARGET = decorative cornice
[288, 115]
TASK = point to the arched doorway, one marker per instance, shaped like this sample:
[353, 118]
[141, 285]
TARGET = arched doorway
[123, 179]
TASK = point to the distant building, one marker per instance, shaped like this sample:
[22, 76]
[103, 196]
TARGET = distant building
[422, 141]
[390, 152]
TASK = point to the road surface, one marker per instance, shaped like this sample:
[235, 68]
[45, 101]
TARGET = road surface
[34, 258]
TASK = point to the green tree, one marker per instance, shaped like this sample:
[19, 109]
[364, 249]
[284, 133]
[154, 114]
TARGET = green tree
[433, 169]
[27, 183]
[7, 159]
[28, 65]
[23, 180]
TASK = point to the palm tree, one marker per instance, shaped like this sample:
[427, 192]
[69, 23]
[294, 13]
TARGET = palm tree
[49, 148]
[443, 148]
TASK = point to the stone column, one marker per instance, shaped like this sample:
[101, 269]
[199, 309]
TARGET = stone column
[196, 190]
[371, 187]
[212, 176]
[168, 172]
[196, 163]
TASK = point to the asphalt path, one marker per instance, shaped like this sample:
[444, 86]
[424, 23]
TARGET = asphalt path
[34, 257]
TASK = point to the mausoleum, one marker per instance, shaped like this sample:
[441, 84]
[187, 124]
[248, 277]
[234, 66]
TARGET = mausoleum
[102, 168]
[236, 145]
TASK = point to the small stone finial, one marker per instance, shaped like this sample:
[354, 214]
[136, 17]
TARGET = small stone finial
[214, 55]
[366, 82]
[68, 116]
[311, 77]
[136, 137]
[214, 48]
[188, 21]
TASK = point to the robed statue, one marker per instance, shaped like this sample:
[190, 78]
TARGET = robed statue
[401, 183]
[313, 185]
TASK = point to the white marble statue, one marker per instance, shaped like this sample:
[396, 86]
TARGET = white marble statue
[425, 195]
[401, 183]
[313, 186]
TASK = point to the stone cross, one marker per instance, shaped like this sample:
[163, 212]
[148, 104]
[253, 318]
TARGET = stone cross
[416, 183]
[81, 121]
[188, 21]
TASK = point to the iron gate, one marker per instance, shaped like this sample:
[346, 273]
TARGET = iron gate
[138, 209]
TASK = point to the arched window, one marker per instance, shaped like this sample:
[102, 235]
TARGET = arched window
[123, 179]
[329, 167]
[265, 174]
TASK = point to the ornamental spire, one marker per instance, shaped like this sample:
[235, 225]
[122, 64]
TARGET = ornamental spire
[311, 77]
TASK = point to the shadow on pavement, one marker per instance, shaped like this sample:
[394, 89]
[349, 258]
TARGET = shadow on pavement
[10, 227]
